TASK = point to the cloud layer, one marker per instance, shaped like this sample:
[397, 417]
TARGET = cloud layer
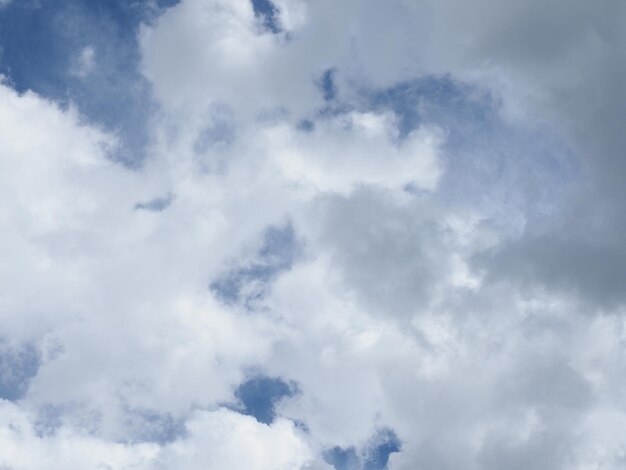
[314, 235]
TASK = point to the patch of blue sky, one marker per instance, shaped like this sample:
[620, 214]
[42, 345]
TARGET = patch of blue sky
[374, 457]
[84, 52]
[268, 13]
[260, 394]
[383, 445]
[18, 365]
[343, 459]
[248, 283]
[439, 100]
[327, 86]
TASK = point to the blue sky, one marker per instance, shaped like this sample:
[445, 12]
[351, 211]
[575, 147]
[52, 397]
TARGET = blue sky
[41, 45]
[316, 235]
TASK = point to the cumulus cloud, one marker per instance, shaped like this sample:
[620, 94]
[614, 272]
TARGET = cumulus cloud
[215, 439]
[356, 149]
[359, 236]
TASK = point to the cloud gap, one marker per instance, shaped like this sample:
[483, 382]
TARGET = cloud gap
[260, 394]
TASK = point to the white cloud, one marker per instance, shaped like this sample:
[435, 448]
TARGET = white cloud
[227, 440]
[356, 149]
[240, 65]
[404, 310]
[23, 448]
[219, 439]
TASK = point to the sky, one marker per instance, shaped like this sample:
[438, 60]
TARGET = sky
[312, 234]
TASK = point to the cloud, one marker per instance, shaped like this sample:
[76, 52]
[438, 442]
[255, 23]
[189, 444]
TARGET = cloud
[358, 148]
[228, 440]
[85, 62]
[361, 235]
[238, 50]
[560, 64]
[214, 438]
[85, 54]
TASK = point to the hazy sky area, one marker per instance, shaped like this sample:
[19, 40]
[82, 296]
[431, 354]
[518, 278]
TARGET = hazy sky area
[312, 235]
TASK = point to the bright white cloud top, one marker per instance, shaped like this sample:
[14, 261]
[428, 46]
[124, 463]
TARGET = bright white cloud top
[310, 234]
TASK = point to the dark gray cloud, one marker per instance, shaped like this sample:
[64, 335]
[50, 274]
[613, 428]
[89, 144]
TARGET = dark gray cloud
[594, 273]
[561, 65]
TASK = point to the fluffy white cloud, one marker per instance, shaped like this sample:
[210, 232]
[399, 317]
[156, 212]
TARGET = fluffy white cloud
[219, 439]
[356, 149]
[228, 440]
[24, 448]
[241, 65]
[478, 345]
